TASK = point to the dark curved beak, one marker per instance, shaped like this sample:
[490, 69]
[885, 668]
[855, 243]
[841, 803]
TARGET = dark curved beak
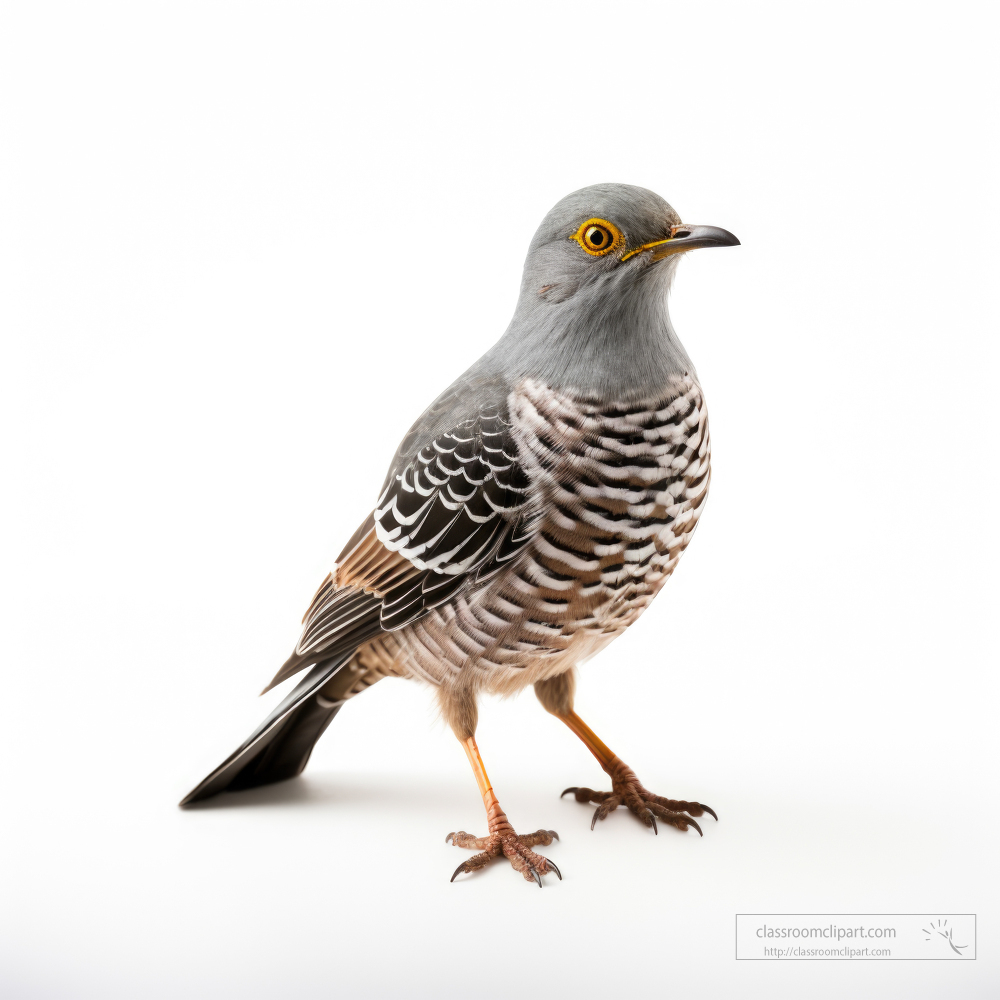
[684, 238]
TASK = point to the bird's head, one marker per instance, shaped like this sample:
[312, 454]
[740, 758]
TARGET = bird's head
[592, 312]
[612, 239]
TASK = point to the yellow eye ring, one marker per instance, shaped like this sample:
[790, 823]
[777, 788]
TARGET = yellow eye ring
[598, 237]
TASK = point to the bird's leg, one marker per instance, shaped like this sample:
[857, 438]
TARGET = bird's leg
[501, 838]
[626, 788]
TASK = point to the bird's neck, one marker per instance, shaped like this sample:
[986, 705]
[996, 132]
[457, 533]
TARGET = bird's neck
[621, 348]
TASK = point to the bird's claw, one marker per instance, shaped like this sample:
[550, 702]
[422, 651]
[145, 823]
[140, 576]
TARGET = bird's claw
[463, 867]
[554, 867]
[516, 848]
[628, 791]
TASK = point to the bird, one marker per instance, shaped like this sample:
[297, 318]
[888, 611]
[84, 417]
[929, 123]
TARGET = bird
[528, 517]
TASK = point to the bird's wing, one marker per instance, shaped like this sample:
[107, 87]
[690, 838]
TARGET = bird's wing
[452, 512]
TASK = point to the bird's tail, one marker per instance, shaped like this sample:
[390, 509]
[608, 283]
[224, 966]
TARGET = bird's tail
[280, 746]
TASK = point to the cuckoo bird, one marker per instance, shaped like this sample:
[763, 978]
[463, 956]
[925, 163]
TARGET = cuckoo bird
[528, 517]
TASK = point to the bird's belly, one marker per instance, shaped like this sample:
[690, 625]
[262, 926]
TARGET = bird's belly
[623, 487]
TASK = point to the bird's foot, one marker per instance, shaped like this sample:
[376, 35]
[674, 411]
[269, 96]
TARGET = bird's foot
[516, 848]
[626, 789]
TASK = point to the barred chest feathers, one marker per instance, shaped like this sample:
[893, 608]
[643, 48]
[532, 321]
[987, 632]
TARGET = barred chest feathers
[616, 493]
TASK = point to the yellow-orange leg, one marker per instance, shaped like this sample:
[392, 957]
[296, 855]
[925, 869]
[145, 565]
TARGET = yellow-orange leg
[626, 788]
[501, 838]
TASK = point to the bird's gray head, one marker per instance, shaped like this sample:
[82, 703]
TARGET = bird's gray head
[592, 314]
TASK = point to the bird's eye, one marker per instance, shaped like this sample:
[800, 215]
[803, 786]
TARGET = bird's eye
[598, 237]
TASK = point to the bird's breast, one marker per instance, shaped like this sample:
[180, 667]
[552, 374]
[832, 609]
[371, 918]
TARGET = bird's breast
[622, 487]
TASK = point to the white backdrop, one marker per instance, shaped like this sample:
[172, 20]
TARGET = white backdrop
[243, 245]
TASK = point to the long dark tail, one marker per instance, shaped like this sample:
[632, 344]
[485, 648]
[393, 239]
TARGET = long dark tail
[280, 746]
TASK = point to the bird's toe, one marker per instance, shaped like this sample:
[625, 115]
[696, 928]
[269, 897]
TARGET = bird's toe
[643, 804]
[516, 848]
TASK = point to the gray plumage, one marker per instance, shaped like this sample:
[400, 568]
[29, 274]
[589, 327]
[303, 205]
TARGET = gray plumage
[602, 330]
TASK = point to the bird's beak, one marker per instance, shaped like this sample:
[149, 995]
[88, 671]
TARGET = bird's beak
[687, 238]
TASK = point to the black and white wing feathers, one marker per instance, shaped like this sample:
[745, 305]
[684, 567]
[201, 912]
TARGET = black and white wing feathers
[454, 510]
